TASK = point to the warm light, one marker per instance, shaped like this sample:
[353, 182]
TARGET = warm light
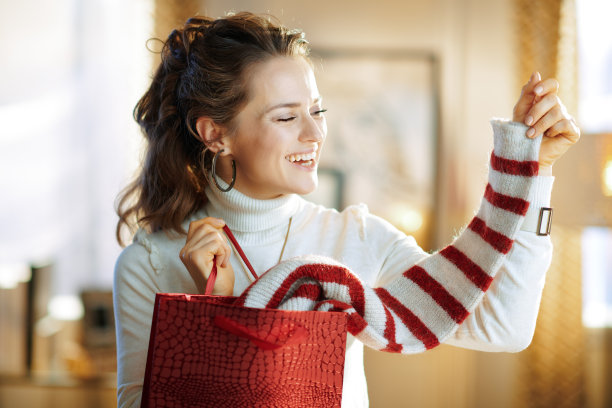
[66, 307]
[595, 94]
[607, 178]
[407, 219]
[12, 274]
[596, 315]
[596, 278]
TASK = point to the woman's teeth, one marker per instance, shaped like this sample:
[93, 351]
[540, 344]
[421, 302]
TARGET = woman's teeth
[307, 158]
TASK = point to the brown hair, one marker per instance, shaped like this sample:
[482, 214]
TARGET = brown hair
[202, 73]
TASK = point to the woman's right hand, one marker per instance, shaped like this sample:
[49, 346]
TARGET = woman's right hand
[205, 241]
[540, 108]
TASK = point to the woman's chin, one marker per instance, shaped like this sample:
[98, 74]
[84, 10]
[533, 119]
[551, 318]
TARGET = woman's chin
[306, 188]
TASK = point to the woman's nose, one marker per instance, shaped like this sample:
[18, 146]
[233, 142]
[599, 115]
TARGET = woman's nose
[313, 130]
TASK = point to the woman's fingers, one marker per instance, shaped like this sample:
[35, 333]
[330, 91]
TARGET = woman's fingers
[537, 98]
[205, 242]
[208, 227]
[567, 128]
[204, 245]
[550, 85]
[198, 256]
[212, 245]
[544, 115]
[526, 99]
[201, 232]
[540, 108]
[211, 221]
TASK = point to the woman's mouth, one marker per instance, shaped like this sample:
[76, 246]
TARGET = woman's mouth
[303, 159]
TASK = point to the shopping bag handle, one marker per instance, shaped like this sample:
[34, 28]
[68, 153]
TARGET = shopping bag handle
[210, 282]
[231, 237]
[299, 334]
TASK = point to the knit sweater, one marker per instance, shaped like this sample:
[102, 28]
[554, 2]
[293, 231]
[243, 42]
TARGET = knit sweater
[374, 250]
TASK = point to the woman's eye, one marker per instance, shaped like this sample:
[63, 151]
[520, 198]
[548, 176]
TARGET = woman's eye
[319, 112]
[286, 119]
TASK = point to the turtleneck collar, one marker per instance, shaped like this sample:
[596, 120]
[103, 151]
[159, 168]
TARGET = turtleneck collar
[244, 214]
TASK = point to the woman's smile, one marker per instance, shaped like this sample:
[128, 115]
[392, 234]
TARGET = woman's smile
[305, 160]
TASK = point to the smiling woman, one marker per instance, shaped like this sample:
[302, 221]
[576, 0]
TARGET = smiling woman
[235, 128]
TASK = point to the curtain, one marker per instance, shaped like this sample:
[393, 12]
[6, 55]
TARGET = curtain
[552, 369]
[546, 42]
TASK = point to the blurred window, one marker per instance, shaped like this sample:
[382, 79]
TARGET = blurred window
[595, 65]
[597, 277]
[68, 142]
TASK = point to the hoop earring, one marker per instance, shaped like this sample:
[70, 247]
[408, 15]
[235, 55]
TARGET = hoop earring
[214, 173]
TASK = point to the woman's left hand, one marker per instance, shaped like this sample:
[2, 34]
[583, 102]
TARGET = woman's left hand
[540, 108]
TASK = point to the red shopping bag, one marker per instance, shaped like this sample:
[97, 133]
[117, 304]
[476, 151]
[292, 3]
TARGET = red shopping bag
[206, 352]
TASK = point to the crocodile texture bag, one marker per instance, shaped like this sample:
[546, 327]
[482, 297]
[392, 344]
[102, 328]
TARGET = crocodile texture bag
[204, 351]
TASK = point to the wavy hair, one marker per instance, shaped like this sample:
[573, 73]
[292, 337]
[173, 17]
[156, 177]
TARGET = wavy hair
[202, 74]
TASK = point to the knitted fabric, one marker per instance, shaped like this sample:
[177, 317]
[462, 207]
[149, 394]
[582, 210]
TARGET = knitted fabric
[422, 307]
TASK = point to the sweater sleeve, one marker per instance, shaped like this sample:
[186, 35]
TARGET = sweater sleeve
[505, 319]
[133, 294]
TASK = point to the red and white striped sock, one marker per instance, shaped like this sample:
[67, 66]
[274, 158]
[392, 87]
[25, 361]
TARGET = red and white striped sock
[425, 305]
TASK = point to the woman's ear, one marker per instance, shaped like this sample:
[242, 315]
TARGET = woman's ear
[212, 135]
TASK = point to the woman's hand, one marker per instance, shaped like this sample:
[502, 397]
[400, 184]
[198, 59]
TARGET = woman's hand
[540, 108]
[205, 240]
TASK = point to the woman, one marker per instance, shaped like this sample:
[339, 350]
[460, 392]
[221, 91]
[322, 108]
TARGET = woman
[235, 126]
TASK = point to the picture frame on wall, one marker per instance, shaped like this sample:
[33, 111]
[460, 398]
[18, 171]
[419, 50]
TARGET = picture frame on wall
[382, 118]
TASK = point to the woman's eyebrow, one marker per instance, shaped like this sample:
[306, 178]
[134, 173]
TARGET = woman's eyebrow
[283, 105]
[289, 105]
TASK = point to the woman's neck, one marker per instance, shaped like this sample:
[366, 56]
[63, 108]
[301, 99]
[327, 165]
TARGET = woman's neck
[245, 214]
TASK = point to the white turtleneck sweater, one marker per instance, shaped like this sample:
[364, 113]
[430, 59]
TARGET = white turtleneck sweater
[371, 247]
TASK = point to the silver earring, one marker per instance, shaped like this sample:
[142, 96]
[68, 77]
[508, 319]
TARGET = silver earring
[214, 173]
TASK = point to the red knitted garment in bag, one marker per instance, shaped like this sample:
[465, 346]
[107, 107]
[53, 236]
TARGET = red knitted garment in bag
[426, 304]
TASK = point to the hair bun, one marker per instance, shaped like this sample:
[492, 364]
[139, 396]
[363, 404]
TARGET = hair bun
[176, 46]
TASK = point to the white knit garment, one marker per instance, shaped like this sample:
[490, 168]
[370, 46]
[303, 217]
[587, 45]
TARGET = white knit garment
[376, 251]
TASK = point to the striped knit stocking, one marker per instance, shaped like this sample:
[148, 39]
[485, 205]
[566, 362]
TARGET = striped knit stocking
[425, 305]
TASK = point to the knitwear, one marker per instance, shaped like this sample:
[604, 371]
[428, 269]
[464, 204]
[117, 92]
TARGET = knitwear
[422, 307]
[372, 248]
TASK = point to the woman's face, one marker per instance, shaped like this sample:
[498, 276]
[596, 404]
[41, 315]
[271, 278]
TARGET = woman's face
[280, 131]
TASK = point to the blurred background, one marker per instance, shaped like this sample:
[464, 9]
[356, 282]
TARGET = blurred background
[73, 70]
